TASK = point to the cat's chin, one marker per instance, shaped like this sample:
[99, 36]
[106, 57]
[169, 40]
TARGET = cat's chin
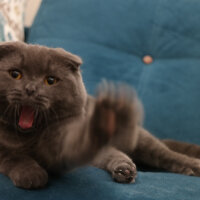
[28, 130]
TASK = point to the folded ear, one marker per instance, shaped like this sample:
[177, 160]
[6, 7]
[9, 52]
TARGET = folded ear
[71, 60]
[7, 48]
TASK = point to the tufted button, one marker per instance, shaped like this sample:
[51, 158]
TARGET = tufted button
[147, 59]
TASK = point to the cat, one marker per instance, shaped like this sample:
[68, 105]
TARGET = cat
[49, 124]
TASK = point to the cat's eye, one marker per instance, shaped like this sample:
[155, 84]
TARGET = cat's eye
[16, 74]
[50, 80]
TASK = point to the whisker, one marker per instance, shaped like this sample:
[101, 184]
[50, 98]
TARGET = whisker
[6, 110]
[46, 120]
[57, 117]
[42, 98]
[15, 118]
[14, 95]
[38, 117]
[16, 106]
[15, 100]
[15, 90]
[39, 104]
[36, 112]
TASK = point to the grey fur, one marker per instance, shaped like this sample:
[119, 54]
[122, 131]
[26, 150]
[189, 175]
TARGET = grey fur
[72, 128]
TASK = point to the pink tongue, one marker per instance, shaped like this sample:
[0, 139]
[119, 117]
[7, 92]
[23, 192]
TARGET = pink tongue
[26, 118]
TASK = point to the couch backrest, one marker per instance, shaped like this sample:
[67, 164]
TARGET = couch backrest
[113, 36]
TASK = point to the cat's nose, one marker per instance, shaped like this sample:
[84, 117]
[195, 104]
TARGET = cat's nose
[30, 92]
[30, 89]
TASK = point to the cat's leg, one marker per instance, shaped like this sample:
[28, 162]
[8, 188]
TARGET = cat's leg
[117, 163]
[153, 152]
[113, 119]
[22, 170]
[191, 150]
[119, 110]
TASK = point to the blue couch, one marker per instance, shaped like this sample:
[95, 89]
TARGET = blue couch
[112, 37]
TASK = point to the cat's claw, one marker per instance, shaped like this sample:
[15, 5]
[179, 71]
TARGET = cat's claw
[125, 173]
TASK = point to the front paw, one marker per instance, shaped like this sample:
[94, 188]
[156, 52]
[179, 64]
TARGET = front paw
[115, 109]
[29, 177]
[125, 172]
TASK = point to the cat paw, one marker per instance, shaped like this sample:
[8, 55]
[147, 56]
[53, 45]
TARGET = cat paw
[191, 167]
[194, 170]
[29, 177]
[115, 108]
[188, 171]
[125, 173]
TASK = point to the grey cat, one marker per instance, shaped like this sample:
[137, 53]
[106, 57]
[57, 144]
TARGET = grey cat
[48, 123]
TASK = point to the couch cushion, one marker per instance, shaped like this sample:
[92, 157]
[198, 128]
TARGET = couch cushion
[92, 183]
[112, 36]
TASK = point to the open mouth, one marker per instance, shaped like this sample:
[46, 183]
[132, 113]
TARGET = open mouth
[26, 118]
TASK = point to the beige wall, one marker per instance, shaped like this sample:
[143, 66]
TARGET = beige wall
[31, 10]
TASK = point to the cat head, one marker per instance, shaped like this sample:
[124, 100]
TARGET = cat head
[37, 83]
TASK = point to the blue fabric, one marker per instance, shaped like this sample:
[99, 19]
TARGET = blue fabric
[112, 36]
[92, 183]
